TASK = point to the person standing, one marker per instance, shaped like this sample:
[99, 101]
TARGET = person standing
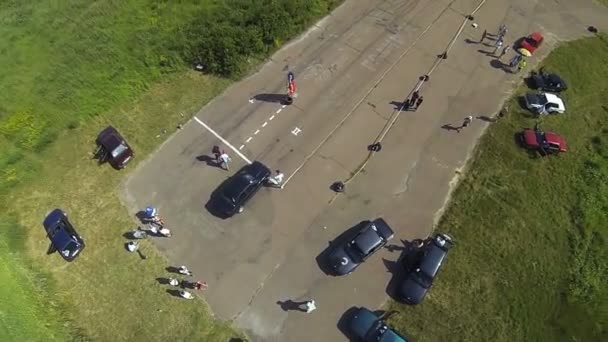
[184, 270]
[200, 285]
[308, 306]
[498, 45]
[415, 97]
[522, 65]
[224, 160]
[419, 102]
[277, 179]
[216, 153]
[466, 122]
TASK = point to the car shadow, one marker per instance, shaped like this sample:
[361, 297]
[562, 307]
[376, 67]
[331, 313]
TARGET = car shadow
[172, 269]
[343, 323]
[273, 98]
[471, 41]
[521, 101]
[529, 82]
[51, 249]
[344, 237]
[163, 280]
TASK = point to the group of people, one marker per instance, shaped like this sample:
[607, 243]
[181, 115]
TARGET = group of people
[414, 102]
[518, 61]
[185, 284]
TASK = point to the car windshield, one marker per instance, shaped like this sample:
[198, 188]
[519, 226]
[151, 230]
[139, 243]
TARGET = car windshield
[239, 187]
[71, 248]
[531, 41]
[542, 99]
[120, 149]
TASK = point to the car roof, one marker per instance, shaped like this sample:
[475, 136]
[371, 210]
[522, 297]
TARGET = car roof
[433, 258]
[367, 239]
[555, 99]
[554, 138]
[362, 321]
[237, 185]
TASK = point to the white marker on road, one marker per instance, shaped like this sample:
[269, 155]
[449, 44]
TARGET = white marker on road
[252, 100]
[296, 131]
[248, 139]
[224, 141]
[256, 132]
[265, 123]
[270, 118]
[283, 106]
[240, 148]
[279, 110]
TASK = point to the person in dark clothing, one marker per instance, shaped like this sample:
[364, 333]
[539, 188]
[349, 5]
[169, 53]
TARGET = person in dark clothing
[419, 102]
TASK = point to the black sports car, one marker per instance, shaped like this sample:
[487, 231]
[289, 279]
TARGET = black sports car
[344, 257]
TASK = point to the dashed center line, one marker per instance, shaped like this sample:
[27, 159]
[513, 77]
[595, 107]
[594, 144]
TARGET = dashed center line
[257, 131]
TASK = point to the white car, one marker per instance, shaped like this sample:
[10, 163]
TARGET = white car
[544, 103]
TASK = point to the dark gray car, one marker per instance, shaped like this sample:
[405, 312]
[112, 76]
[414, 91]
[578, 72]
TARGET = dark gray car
[427, 263]
[346, 256]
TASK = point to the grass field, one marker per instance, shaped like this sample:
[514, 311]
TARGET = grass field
[69, 69]
[530, 262]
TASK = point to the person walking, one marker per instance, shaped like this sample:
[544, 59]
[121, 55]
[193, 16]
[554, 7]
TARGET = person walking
[276, 180]
[184, 270]
[216, 153]
[414, 98]
[466, 122]
[502, 30]
[165, 232]
[200, 285]
[224, 160]
[504, 51]
[419, 102]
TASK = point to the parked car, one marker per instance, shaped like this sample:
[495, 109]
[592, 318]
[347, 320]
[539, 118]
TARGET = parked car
[544, 103]
[543, 142]
[425, 267]
[232, 195]
[548, 82]
[366, 326]
[532, 42]
[113, 148]
[346, 255]
[62, 234]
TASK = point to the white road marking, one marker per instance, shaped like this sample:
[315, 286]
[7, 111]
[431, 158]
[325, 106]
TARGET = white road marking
[248, 139]
[252, 100]
[283, 106]
[265, 123]
[270, 118]
[240, 148]
[224, 141]
[296, 131]
[279, 110]
[256, 132]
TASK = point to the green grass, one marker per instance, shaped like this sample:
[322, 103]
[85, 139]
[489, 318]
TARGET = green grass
[69, 69]
[530, 262]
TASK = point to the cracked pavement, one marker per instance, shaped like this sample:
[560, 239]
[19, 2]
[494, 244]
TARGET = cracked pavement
[350, 67]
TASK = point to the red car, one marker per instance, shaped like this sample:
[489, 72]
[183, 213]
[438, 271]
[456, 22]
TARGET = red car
[532, 42]
[543, 142]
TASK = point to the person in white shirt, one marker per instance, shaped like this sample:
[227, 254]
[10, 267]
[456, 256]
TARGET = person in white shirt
[310, 306]
[224, 160]
[132, 246]
[185, 294]
[276, 180]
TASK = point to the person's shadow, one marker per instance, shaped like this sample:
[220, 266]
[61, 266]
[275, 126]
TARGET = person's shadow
[449, 127]
[211, 161]
[290, 305]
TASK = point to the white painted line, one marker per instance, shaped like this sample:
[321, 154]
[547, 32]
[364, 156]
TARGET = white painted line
[279, 110]
[296, 131]
[270, 118]
[265, 123]
[248, 139]
[283, 106]
[256, 132]
[240, 148]
[224, 141]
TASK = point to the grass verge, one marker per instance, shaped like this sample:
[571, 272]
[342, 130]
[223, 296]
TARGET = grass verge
[530, 263]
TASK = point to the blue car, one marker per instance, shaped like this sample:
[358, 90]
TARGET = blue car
[366, 326]
[62, 234]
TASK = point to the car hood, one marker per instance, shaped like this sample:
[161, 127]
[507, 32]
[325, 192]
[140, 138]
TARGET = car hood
[553, 138]
[361, 322]
[414, 289]
[340, 261]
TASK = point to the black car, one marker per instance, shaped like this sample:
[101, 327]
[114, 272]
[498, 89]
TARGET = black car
[366, 326]
[113, 148]
[370, 236]
[425, 266]
[232, 195]
[62, 234]
[548, 82]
